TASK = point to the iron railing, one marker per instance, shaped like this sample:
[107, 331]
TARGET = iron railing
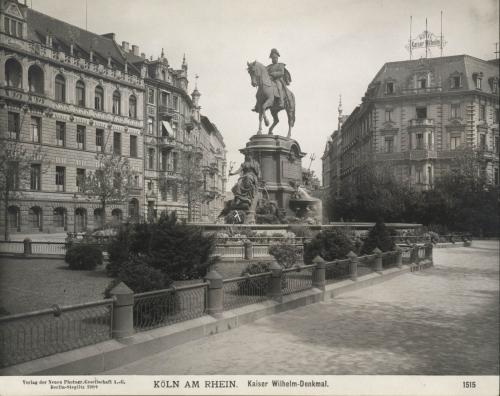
[164, 307]
[245, 290]
[297, 279]
[390, 259]
[337, 270]
[48, 248]
[33, 335]
[366, 264]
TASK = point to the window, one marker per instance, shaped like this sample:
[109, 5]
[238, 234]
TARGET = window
[422, 83]
[164, 160]
[117, 143]
[165, 99]
[151, 96]
[455, 82]
[35, 177]
[430, 141]
[13, 73]
[133, 146]
[389, 88]
[35, 129]
[175, 161]
[35, 217]
[420, 141]
[116, 103]
[150, 125]
[59, 218]
[60, 176]
[174, 192]
[421, 112]
[497, 144]
[389, 144]
[478, 80]
[12, 175]
[35, 79]
[455, 110]
[13, 27]
[497, 116]
[60, 133]
[80, 137]
[14, 130]
[132, 107]
[80, 179]
[497, 181]
[419, 176]
[494, 86]
[151, 158]
[482, 141]
[388, 115]
[99, 99]
[163, 75]
[80, 93]
[455, 142]
[99, 139]
[175, 102]
[429, 174]
[482, 112]
[60, 89]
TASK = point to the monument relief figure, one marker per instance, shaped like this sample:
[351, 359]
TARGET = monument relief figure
[246, 189]
[272, 91]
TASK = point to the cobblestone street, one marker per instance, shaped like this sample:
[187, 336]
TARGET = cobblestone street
[443, 320]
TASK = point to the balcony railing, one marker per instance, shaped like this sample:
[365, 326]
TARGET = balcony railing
[420, 91]
[421, 122]
[165, 110]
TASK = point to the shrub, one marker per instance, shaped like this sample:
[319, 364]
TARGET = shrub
[378, 237]
[301, 231]
[139, 276]
[81, 256]
[285, 254]
[329, 244]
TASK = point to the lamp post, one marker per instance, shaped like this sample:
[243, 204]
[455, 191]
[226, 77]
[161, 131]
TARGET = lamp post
[75, 198]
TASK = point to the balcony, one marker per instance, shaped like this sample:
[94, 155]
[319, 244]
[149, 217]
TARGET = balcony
[166, 141]
[165, 110]
[420, 91]
[421, 123]
[414, 155]
[421, 154]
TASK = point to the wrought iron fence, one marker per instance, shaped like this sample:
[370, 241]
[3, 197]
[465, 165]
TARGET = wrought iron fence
[25, 337]
[366, 264]
[337, 270]
[245, 290]
[12, 247]
[164, 307]
[390, 259]
[297, 279]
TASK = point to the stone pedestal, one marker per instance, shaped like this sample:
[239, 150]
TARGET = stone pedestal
[280, 160]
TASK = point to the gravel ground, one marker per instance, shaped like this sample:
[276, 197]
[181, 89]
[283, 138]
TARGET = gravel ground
[443, 320]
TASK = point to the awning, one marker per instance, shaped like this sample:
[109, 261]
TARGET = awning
[168, 128]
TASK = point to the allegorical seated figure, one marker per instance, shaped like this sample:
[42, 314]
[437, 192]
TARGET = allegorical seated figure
[246, 189]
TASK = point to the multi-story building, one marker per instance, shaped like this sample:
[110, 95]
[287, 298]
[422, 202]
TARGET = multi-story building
[71, 94]
[416, 114]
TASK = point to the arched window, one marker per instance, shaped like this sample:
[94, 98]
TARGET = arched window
[117, 215]
[13, 73]
[59, 218]
[80, 93]
[98, 218]
[116, 103]
[35, 218]
[99, 98]
[163, 75]
[132, 107]
[133, 209]
[35, 79]
[14, 218]
[60, 88]
[80, 219]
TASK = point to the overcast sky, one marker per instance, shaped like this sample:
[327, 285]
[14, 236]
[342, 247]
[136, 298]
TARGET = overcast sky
[330, 47]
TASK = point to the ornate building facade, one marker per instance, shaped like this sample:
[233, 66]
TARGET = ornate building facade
[69, 94]
[414, 117]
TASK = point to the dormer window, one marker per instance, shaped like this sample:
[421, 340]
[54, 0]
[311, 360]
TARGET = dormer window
[456, 81]
[422, 83]
[478, 79]
[13, 27]
[389, 88]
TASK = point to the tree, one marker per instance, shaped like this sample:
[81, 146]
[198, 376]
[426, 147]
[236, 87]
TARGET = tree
[110, 183]
[16, 159]
[192, 181]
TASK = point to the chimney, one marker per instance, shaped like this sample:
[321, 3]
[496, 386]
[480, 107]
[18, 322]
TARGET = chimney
[143, 55]
[135, 50]
[125, 46]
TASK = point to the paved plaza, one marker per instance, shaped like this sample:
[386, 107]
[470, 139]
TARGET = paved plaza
[443, 320]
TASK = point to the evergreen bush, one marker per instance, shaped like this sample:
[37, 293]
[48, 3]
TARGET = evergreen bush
[378, 237]
[329, 244]
[286, 255]
[81, 256]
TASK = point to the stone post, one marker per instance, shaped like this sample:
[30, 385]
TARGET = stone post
[123, 311]
[27, 247]
[248, 250]
[353, 265]
[319, 273]
[274, 291]
[414, 254]
[215, 294]
[428, 253]
[399, 256]
[378, 259]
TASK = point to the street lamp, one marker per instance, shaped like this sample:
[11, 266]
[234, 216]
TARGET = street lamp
[75, 199]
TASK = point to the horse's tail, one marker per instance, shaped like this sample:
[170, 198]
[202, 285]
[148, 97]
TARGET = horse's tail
[290, 107]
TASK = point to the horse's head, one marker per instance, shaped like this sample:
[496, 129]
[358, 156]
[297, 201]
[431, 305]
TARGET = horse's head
[252, 70]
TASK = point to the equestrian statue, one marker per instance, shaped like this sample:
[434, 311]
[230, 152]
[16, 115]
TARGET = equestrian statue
[272, 92]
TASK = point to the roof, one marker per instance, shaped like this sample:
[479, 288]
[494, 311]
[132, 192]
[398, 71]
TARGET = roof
[63, 34]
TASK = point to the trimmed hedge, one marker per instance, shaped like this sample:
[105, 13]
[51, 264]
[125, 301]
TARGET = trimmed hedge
[81, 256]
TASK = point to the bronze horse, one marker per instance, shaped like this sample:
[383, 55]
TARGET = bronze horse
[267, 98]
